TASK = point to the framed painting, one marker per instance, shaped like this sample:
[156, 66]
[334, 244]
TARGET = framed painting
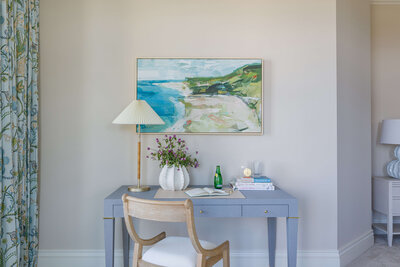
[202, 95]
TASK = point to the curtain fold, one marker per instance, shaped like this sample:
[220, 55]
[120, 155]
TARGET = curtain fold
[19, 104]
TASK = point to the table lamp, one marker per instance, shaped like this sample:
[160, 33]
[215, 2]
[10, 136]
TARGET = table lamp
[390, 134]
[138, 112]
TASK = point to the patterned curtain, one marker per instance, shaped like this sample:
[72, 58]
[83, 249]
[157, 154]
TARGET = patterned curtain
[19, 32]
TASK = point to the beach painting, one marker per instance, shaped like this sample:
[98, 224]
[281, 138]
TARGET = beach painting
[202, 95]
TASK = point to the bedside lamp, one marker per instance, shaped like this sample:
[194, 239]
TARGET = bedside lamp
[138, 112]
[390, 134]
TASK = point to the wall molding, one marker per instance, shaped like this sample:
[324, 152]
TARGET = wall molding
[385, 2]
[355, 248]
[305, 258]
[95, 258]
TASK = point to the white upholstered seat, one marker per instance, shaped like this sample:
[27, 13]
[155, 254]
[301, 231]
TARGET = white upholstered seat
[174, 251]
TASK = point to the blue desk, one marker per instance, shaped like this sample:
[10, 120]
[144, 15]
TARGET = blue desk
[261, 204]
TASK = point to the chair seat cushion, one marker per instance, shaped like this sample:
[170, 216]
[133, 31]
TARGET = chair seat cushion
[174, 251]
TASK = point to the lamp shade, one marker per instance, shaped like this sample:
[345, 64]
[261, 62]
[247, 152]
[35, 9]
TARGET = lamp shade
[390, 132]
[138, 112]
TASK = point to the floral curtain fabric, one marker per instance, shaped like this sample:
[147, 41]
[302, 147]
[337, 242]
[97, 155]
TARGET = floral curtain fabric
[19, 64]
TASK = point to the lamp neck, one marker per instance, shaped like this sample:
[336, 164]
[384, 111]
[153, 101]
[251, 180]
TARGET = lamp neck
[138, 156]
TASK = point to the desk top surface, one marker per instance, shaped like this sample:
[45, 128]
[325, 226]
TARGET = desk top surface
[387, 178]
[277, 196]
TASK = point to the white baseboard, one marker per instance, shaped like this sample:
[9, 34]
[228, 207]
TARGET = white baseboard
[326, 258]
[355, 248]
[95, 258]
[307, 258]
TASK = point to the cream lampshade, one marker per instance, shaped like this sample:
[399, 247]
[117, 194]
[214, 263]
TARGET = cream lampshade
[390, 134]
[138, 112]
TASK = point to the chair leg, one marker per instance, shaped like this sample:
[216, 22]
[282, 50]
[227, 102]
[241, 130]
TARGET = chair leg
[225, 257]
[201, 261]
[137, 254]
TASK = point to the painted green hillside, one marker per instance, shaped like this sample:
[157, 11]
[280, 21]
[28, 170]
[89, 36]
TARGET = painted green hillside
[245, 82]
[236, 83]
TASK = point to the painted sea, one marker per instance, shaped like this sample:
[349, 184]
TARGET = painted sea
[202, 95]
[164, 100]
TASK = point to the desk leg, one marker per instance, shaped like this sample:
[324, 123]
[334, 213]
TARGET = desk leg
[109, 226]
[271, 240]
[291, 231]
[389, 227]
[125, 243]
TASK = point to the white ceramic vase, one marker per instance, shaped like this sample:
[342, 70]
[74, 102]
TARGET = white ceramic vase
[174, 178]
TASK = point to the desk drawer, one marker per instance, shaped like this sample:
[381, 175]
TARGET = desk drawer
[396, 190]
[217, 211]
[396, 205]
[265, 210]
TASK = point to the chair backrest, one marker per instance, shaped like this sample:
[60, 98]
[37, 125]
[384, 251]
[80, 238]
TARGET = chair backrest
[163, 211]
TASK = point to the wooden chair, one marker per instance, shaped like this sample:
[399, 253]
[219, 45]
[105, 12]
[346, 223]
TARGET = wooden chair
[170, 251]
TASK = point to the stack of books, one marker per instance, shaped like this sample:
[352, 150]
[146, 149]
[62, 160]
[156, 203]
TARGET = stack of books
[254, 183]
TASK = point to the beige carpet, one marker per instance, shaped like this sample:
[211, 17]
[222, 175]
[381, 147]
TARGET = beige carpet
[380, 255]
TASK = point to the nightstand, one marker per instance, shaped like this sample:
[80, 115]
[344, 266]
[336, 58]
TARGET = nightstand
[386, 200]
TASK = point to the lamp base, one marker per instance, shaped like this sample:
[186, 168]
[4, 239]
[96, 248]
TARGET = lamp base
[392, 168]
[139, 188]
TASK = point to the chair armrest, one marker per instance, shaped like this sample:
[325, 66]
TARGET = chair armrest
[217, 250]
[152, 241]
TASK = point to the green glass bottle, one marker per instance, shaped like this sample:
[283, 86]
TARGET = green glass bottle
[218, 178]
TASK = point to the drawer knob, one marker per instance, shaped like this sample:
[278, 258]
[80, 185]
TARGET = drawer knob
[266, 211]
[201, 211]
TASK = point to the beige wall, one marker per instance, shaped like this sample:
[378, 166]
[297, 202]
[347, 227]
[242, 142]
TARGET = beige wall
[385, 78]
[87, 63]
[354, 121]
